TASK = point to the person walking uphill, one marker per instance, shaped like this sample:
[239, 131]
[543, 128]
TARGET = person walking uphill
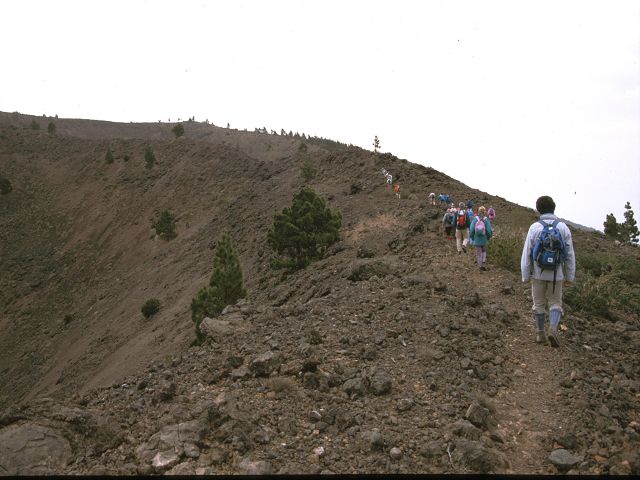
[462, 228]
[480, 232]
[548, 250]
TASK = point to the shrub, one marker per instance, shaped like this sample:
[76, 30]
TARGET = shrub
[126, 157]
[303, 232]
[150, 307]
[593, 263]
[225, 285]
[51, 128]
[604, 295]
[35, 125]
[178, 130]
[505, 248]
[165, 226]
[149, 157]
[108, 156]
[5, 185]
[308, 170]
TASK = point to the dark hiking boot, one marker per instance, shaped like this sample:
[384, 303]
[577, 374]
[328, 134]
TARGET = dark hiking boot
[552, 336]
[540, 338]
[464, 249]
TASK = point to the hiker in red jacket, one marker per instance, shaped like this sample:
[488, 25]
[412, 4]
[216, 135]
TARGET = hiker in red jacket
[462, 228]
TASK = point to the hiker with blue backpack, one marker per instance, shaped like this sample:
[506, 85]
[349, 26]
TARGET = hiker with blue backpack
[548, 250]
[480, 233]
[471, 215]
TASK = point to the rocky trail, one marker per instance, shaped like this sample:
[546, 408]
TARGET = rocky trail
[393, 354]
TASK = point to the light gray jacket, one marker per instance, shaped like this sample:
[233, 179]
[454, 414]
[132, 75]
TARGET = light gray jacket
[566, 271]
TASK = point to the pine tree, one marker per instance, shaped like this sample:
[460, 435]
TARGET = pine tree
[166, 225]
[303, 232]
[225, 285]
[611, 227]
[178, 130]
[51, 128]
[5, 185]
[226, 278]
[149, 157]
[376, 144]
[630, 226]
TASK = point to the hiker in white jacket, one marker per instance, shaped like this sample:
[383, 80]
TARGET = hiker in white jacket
[545, 289]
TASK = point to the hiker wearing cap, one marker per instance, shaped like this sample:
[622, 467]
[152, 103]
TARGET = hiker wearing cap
[548, 251]
[462, 228]
[449, 223]
[491, 213]
[480, 232]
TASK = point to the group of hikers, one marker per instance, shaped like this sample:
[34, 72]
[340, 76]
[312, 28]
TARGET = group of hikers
[388, 178]
[468, 226]
[548, 258]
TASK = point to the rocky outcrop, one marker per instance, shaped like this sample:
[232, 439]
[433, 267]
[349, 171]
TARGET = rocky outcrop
[32, 449]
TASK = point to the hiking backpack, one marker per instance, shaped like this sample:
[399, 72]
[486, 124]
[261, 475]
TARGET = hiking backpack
[462, 219]
[448, 219]
[549, 250]
[480, 227]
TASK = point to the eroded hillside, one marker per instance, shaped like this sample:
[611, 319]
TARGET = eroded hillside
[393, 354]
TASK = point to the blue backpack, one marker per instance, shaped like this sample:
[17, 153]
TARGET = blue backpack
[549, 250]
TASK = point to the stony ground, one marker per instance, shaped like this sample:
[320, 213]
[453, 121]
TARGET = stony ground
[392, 355]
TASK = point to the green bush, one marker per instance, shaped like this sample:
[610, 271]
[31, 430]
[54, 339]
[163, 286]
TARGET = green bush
[308, 170]
[5, 185]
[225, 285]
[51, 128]
[108, 156]
[303, 232]
[165, 226]
[150, 307]
[594, 263]
[149, 157]
[35, 125]
[178, 130]
[604, 295]
[505, 248]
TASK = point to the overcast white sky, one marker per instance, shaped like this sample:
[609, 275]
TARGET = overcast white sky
[516, 98]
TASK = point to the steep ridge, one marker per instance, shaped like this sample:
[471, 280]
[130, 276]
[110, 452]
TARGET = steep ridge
[392, 355]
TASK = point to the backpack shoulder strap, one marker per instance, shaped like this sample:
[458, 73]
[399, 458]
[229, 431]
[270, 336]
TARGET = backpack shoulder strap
[555, 222]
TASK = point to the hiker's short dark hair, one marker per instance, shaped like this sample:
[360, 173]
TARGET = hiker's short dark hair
[545, 204]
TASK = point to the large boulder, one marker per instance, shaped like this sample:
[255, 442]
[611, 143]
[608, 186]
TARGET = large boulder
[563, 459]
[380, 381]
[167, 447]
[32, 449]
[365, 268]
[230, 324]
[265, 364]
[478, 458]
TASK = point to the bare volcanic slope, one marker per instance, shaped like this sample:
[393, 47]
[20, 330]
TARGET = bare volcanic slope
[393, 354]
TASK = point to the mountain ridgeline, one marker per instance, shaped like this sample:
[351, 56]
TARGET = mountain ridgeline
[390, 354]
